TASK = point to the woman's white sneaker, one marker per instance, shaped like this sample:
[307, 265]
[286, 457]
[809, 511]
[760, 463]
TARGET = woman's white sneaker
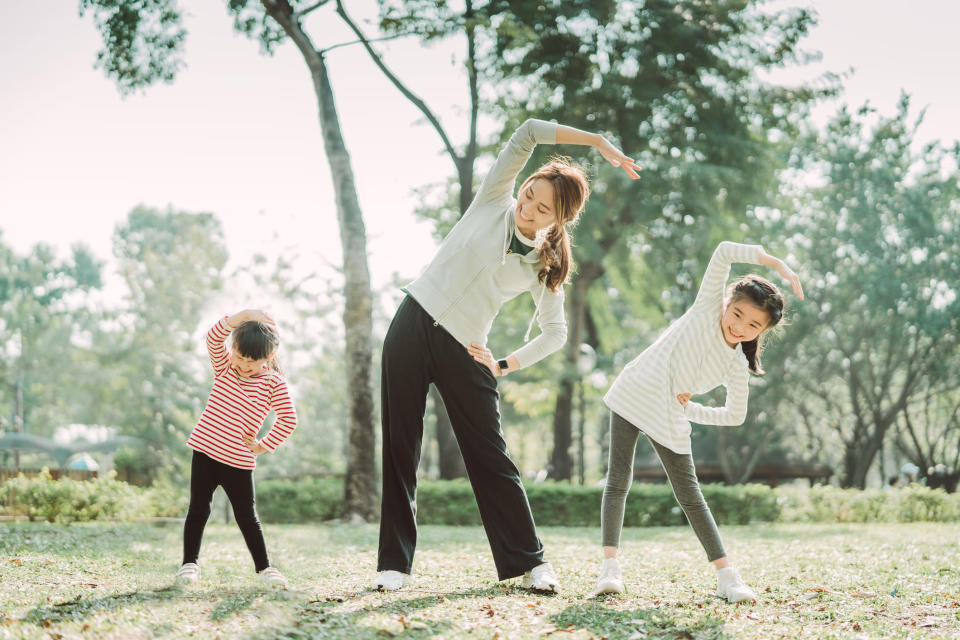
[541, 578]
[271, 576]
[611, 578]
[732, 587]
[390, 581]
[189, 572]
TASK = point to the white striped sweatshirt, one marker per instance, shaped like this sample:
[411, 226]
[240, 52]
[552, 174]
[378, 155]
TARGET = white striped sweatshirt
[239, 405]
[690, 356]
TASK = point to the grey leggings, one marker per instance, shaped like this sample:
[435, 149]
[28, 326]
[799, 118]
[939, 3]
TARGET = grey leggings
[683, 479]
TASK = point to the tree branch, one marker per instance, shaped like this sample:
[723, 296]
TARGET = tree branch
[409, 95]
[282, 13]
[353, 42]
[303, 12]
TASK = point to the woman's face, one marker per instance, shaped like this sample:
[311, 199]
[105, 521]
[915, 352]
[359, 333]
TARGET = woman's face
[742, 322]
[535, 207]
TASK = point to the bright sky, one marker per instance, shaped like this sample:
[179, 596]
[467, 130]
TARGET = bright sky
[237, 133]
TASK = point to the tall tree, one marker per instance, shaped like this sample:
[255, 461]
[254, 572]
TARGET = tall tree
[143, 45]
[876, 239]
[171, 262]
[432, 21]
[41, 301]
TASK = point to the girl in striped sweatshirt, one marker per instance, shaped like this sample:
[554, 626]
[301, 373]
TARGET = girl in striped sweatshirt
[247, 385]
[716, 342]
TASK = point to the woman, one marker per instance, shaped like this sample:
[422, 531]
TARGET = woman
[501, 247]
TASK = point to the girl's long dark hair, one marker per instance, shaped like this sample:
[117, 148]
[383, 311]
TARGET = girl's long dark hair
[764, 295]
[257, 341]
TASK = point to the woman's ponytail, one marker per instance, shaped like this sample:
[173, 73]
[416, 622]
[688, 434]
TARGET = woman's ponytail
[556, 258]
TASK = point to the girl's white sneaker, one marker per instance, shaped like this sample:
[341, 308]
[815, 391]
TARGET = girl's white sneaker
[541, 578]
[732, 587]
[271, 576]
[189, 572]
[390, 581]
[611, 578]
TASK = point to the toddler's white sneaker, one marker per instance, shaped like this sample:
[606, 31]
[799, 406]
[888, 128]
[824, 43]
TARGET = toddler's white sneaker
[271, 576]
[189, 572]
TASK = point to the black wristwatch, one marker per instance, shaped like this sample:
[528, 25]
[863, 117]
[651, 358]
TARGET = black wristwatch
[503, 365]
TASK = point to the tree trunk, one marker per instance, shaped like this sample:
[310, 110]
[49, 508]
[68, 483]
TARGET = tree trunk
[561, 462]
[360, 483]
[18, 408]
[449, 460]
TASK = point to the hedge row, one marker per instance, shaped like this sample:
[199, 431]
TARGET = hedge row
[105, 498]
[453, 503]
[560, 504]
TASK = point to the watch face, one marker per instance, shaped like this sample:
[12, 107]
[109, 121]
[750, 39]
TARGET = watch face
[502, 364]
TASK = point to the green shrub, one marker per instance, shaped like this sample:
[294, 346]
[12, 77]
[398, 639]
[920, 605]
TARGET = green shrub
[43, 498]
[923, 504]
[165, 501]
[446, 502]
[831, 504]
[300, 500]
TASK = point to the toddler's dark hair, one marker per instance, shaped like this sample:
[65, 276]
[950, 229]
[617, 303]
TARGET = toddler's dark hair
[257, 341]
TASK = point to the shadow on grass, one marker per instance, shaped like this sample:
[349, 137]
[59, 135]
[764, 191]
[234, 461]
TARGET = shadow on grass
[321, 618]
[87, 539]
[602, 619]
[80, 608]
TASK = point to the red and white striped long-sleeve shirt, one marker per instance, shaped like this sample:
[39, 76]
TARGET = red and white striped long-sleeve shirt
[239, 405]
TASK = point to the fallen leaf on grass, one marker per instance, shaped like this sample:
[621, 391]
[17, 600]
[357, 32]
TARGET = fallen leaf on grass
[551, 629]
[65, 603]
[17, 561]
[857, 627]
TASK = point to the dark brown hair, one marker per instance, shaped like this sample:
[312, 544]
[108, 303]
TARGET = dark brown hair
[764, 295]
[570, 192]
[257, 341]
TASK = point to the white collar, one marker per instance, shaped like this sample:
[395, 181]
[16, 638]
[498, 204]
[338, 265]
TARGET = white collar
[522, 238]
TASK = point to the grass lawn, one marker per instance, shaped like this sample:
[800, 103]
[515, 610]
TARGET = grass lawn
[813, 581]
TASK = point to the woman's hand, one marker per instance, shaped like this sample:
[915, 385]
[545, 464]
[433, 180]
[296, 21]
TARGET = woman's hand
[683, 398]
[253, 444]
[781, 267]
[485, 357]
[616, 157]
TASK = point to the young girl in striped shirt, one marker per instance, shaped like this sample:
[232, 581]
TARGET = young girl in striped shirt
[247, 385]
[716, 342]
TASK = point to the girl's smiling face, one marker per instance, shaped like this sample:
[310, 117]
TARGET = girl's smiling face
[742, 322]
